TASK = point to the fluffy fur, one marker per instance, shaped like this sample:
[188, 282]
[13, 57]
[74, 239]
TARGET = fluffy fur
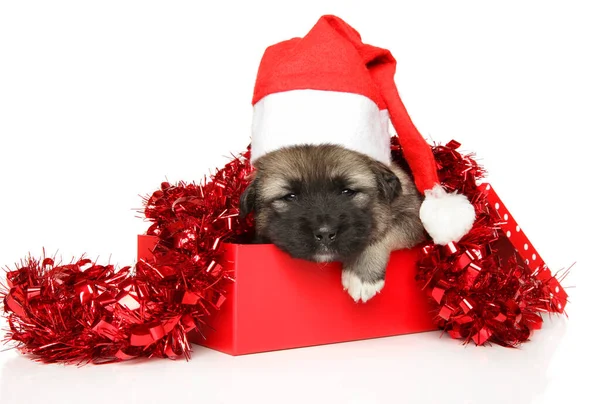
[328, 203]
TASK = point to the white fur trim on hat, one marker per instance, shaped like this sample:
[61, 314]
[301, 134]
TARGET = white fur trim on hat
[446, 216]
[315, 117]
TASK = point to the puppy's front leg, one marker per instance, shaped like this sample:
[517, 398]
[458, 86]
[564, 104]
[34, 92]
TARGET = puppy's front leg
[364, 277]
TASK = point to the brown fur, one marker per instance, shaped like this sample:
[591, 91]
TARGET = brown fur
[384, 211]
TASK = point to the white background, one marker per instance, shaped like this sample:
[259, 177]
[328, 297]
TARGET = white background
[100, 102]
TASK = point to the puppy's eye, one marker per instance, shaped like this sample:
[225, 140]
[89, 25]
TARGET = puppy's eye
[290, 197]
[348, 192]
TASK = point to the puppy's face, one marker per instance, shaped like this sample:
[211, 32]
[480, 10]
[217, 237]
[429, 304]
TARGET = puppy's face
[319, 203]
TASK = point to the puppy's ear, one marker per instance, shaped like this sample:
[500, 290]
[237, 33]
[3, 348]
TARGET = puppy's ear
[248, 200]
[387, 182]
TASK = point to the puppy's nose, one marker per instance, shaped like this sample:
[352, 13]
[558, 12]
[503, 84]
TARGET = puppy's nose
[325, 234]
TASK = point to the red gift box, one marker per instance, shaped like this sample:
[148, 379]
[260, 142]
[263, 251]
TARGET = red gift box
[278, 302]
[513, 239]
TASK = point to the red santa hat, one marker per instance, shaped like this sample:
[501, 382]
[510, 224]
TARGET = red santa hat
[330, 87]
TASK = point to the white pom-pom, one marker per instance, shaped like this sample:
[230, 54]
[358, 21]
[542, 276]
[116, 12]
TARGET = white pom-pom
[446, 217]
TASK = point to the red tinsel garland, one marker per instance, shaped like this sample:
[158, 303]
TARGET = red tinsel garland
[84, 312]
[485, 291]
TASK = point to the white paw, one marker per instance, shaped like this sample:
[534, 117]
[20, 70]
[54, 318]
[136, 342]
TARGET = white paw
[358, 289]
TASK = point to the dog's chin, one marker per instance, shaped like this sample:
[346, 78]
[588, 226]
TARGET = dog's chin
[320, 255]
[325, 257]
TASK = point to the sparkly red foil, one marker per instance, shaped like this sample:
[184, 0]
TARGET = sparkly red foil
[85, 312]
[485, 291]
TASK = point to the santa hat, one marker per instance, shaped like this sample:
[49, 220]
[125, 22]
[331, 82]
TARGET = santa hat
[329, 87]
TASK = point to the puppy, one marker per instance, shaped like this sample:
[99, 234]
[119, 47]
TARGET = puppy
[327, 203]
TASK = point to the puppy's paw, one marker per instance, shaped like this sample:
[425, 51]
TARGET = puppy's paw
[358, 289]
